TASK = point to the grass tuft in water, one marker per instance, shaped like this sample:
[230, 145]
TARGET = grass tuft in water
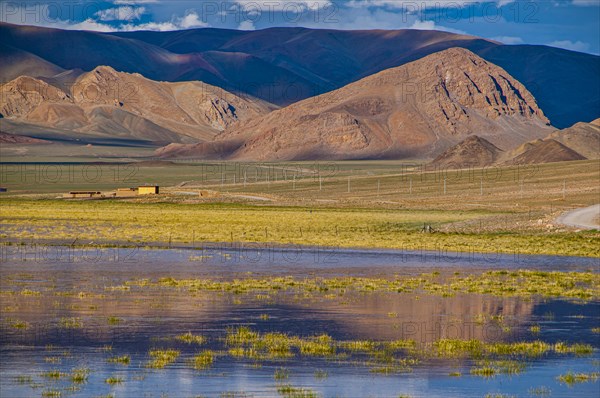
[204, 360]
[114, 380]
[162, 358]
[190, 338]
[123, 359]
[571, 378]
[80, 376]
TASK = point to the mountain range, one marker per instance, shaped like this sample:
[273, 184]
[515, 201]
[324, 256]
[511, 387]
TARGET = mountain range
[105, 105]
[297, 94]
[286, 65]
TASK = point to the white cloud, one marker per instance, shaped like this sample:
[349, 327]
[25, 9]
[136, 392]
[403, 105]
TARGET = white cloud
[569, 45]
[586, 3]
[423, 25]
[188, 21]
[134, 2]
[246, 25]
[508, 39]
[123, 13]
[430, 25]
[191, 20]
[421, 4]
[286, 5]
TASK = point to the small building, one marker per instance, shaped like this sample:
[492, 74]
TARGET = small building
[126, 192]
[82, 194]
[148, 190]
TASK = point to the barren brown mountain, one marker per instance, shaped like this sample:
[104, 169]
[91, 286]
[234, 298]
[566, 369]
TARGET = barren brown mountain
[471, 152]
[542, 151]
[417, 110]
[581, 141]
[116, 105]
[583, 138]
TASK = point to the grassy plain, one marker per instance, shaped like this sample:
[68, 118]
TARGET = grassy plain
[340, 204]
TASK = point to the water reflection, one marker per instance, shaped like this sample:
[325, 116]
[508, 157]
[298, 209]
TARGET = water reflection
[66, 315]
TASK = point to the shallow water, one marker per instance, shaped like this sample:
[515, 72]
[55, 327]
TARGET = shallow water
[41, 287]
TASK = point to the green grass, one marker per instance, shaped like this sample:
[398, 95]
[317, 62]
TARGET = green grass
[190, 338]
[321, 374]
[51, 393]
[571, 378]
[19, 325]
[80, 376]
[541, 391]
[113, 222]
[204, 360]
[289, 391]
[53, 374]
[281, 374]
[535, 329]
[113, 320]
[23, 379]
[114, 380]
[123, 360]
[162, 358]
[502, 283]
[70, 323]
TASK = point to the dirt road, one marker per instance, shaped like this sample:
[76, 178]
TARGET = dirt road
[586, 218]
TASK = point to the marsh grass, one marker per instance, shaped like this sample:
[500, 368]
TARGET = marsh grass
[490, 368]
[502, 283]
[289, 391]
[123, 359]
[114, 380]
[51, 393]
[53, 374]
[204, 360]
[484, 371]
[535, 329]
[113, 320]
[571, 378]
[321, 374]
[541, 391]
[281, 374]
[115, 222]
[70, 323]
[20, 325]
[162, 358]
[80, 376]
[190, 338]
[23, 379]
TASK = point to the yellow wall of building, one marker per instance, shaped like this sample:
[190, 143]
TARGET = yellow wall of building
[147, 190]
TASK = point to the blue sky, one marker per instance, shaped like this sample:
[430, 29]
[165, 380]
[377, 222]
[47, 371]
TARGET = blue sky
[570, 24]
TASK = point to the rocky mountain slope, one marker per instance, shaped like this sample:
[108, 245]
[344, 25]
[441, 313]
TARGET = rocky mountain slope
[417, 110]
[116, 105]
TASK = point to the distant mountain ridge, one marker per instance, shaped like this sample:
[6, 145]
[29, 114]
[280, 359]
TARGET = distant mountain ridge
[285, 65]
